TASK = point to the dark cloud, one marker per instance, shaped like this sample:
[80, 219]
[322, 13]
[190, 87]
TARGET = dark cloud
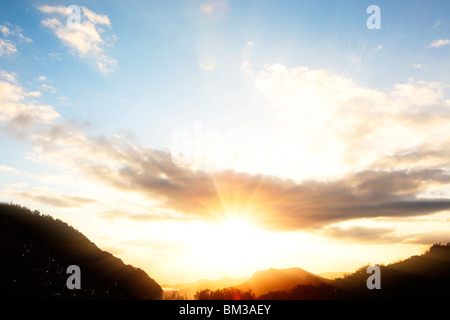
[62, 201]
[363, 234]
[430, 238]
[271, 202]
[437, 154]
[384, 235]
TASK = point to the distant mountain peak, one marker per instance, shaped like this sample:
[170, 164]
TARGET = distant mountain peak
[273, 279]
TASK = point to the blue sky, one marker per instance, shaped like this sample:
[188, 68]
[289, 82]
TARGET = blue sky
[158, 46]
[304, 92]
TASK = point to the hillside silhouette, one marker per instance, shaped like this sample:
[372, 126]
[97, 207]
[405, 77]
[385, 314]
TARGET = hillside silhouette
[425, 276]
[36, 249]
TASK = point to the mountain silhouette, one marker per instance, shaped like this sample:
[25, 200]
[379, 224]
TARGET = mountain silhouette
[36, 249]
[425, 276]
[265, 281]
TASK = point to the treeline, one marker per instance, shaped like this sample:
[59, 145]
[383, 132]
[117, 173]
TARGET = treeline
[224, 294]
[300, 292]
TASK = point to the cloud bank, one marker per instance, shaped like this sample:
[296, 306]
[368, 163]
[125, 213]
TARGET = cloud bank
[404, 133]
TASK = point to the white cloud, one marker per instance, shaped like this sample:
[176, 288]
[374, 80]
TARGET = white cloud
[5, 30]
[48, 87]
[106, 64]
[7, 47]
[35, 94]
[25, 39]
[6, 168]
[96, 18]
[86, 40]
[18, 113]
[439, 43]
[418, 93]
[14, 31]
[61, 10]
[331, 118]
[42, 78]
[328, 124]
[10, 77]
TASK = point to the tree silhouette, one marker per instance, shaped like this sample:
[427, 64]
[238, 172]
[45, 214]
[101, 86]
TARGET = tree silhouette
[225, 294]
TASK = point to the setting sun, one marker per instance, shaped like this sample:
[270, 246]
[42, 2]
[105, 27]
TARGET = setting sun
[233, 246]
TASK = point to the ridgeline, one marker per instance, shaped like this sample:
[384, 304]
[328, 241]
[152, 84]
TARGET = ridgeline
[36, 249]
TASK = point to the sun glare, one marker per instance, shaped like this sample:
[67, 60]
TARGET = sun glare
[237, 225]
[230, 247]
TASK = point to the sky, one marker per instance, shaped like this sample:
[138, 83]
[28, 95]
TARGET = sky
[204, 139]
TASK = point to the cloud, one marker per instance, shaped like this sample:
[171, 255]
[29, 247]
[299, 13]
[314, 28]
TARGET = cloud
[56, 200]
[372, 235]
[419, 66]
[348, 114]
[61, 10]
[96, 18]
[363, 234]
[10, 77]
[329, 125]
[270, 202]
[325, 106]
[7, 48]
[430, 154]
[85, 38]
[48, 87]
[6, 168]
[4, 30]
[18, 113]
[429, 238]
[419, 93]
[439, 43]
[10, 30]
